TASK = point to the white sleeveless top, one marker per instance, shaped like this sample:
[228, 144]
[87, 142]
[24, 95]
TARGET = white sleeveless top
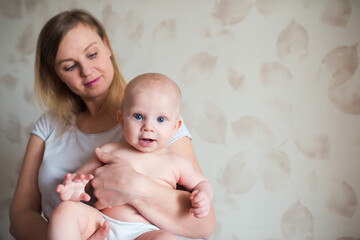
[68, 152]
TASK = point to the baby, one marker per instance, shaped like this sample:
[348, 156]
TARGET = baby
[149, 117]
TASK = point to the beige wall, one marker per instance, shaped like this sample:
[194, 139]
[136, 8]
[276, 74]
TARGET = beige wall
[271, 96]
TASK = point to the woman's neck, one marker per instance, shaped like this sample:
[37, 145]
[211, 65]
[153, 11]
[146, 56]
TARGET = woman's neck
[95, 123]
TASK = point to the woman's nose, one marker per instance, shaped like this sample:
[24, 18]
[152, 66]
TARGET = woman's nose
[86, 70]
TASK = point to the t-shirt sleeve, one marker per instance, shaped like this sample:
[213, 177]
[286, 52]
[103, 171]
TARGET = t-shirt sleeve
[43, 127]
[181, 132]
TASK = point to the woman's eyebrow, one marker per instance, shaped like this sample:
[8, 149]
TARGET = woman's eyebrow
[85, 49]
[90, 45]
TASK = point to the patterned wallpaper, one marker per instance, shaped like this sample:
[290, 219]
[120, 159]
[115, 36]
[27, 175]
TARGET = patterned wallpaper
[271, 95]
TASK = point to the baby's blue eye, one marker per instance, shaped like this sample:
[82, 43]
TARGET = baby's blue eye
[138, 116]
[161, 119]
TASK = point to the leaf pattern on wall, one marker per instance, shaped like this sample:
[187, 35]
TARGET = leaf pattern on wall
[133, 26]
[231, 12]
[38, 8]
[342, 200]
[111, 19]
[316, 146]
[236, 79]
[212, 124]
[283, 112]
[293, 42]
[238, 177]
[27, 41]
[12, 9]
[340, 63]
[274, 73]
[267, 7]
[340, 66]
[12, 128]
[298, 223]
[250, 130]
[28, 94]
[346, 97]
[165, 30]
[198, 68]
[225, 36]
[337, 13]
[275, 169]
[8, 82]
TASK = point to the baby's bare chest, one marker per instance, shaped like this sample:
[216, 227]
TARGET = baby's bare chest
[159, 167]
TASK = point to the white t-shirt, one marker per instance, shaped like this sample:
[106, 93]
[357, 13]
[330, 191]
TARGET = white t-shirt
[67, 152]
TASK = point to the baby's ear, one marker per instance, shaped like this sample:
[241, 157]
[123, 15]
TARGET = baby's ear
[120, 118]
[177, 124]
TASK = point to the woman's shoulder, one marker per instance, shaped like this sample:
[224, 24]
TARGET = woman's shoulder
[45, 125]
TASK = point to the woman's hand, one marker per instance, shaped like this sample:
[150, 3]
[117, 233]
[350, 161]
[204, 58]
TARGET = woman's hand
[116, 183]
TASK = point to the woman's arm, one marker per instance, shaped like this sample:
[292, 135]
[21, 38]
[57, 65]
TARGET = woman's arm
[175, 215]
[116, 184]
[26, 221]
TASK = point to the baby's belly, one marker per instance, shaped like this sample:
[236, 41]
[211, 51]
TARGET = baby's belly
[124, 213]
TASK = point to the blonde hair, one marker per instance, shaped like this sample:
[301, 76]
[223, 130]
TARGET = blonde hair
[51, 92]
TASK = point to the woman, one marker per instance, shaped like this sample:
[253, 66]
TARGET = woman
[77, 79]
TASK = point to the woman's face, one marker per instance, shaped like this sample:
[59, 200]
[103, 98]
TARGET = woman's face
[83, 63]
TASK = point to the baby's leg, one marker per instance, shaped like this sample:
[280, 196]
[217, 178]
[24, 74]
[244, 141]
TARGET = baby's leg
[73, 220]
[157, 235]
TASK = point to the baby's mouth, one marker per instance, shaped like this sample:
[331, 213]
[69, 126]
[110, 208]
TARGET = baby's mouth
[146, 142]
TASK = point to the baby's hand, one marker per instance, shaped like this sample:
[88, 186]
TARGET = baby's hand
[200, 203]
[73, 188]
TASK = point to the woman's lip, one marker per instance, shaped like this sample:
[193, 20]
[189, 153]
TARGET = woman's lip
[93, 82]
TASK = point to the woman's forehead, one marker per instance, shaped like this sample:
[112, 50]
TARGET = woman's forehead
[77, 40]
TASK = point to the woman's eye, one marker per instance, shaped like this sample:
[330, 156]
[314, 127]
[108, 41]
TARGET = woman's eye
[160, 119]
[91, 56]
[72, 67]
[138, 117]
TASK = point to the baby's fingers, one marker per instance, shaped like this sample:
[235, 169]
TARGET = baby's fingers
[200, 212]
[85, 197]
[60, 188]
[198, 197]
[67, 179]
[193, 194]
[89, 177]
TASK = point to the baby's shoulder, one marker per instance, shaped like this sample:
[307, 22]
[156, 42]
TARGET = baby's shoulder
[176, 158]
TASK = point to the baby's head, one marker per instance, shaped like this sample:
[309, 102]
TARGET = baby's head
[149, 113]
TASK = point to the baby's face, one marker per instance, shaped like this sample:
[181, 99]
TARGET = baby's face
[150, 119]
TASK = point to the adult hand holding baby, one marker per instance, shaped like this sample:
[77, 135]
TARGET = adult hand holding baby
[117, 183]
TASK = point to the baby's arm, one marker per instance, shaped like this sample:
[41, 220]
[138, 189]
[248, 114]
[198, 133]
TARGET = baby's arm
[202, 191]
[73, 188]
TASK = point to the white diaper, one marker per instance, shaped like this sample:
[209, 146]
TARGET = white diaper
[127, 230]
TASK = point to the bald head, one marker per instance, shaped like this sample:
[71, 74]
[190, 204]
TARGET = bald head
[152, 82]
